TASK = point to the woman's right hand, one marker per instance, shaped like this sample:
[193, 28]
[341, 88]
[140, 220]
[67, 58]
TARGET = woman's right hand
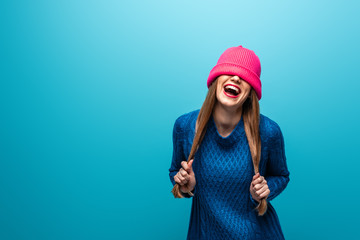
[186, 177]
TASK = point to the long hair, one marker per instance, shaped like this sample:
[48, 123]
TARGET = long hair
[251, 117]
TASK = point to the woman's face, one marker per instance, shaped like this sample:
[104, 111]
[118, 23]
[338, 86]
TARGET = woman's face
[232, 91]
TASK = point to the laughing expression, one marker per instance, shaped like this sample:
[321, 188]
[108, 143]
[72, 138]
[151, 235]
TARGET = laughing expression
[232, 91]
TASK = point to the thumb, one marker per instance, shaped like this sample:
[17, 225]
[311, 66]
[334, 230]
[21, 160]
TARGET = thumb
[189, 166]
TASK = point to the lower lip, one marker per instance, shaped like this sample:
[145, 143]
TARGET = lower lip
[231, 95]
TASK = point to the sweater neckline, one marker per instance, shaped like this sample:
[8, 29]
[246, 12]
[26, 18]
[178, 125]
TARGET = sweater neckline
[232, 138]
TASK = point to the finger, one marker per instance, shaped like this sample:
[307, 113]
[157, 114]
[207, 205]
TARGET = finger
[183, 172]
[177, 180]
[261, 190]
[256, 195]
[265, 194]
[261, 178]
[178, 175]
[184, 179]
[256, 181]
[186, 167]
[259, 186]
[256, 176]
[181, 177]
[184, 164]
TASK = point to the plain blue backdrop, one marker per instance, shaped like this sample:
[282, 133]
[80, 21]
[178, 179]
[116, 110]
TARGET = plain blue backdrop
[90, 91]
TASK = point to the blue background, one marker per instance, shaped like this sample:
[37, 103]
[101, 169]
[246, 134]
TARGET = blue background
[90, 91]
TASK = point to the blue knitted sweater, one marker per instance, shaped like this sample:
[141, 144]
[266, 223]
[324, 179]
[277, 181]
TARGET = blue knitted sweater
[222, 206]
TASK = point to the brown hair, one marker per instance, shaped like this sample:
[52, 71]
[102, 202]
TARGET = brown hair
[251, 117]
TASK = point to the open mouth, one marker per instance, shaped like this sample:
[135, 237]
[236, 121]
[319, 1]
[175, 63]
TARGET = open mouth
[231, 90]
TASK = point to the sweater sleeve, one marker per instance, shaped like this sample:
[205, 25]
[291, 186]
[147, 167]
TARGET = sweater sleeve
[277, 174]
[253, 200]
[178, 154]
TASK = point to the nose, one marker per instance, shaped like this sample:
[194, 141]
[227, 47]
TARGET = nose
[236, 79]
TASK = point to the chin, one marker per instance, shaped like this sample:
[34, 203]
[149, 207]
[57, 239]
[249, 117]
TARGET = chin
[229, 104]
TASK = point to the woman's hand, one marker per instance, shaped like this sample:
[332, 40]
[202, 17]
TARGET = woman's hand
[186, 177]
[259, 188]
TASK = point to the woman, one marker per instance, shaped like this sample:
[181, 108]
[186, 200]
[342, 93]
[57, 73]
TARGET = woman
[230, 158]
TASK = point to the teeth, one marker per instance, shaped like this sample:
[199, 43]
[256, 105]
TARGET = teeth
[233, 88]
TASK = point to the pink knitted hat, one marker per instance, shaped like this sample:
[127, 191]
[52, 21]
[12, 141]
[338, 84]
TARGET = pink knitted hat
[239, 61]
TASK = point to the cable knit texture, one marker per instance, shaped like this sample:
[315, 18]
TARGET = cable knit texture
[222, 206]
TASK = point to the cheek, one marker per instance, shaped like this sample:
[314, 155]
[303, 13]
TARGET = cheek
[218, 94]
[219, 91]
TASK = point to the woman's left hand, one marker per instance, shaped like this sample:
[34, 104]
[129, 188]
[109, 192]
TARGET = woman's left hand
[259, 188]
